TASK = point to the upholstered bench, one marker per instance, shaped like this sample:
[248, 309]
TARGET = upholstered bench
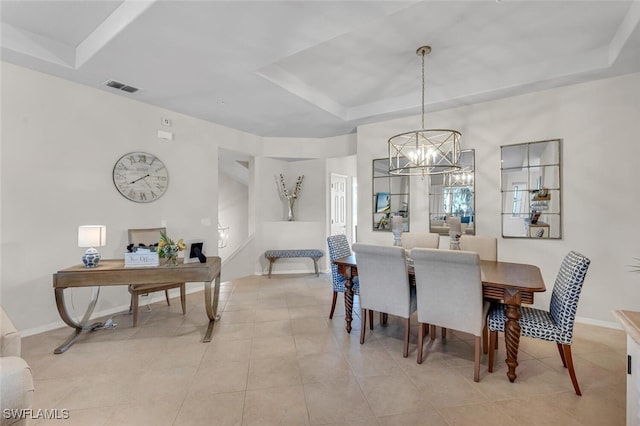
[273, 255]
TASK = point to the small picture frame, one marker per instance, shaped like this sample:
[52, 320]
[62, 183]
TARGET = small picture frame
[383, 202]
[195, 251]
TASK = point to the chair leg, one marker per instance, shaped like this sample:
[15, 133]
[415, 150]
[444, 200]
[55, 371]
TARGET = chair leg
[183, 298]
[371, 319]
[444, 333]
[572, 372]
[407, 328]
[432, 332]
[493, 340]
[421, 331]
[476, 365]
[134, 297]
[333, 304]
[561, 350]
[363, 326]
[485, 339]
[166, 295]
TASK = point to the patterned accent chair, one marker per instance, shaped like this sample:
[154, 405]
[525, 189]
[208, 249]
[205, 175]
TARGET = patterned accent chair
[555, 325]
[339, 247]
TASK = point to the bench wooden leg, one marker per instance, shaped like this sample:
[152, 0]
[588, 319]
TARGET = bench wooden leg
[315, 264]
[271, 262]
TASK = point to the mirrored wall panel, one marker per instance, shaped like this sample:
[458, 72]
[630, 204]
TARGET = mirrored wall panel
[531, 190]
[453, 195]
[390, 196]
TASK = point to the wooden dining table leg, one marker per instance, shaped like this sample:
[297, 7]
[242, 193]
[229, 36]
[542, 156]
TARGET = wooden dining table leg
[512, 331]
[346, 272]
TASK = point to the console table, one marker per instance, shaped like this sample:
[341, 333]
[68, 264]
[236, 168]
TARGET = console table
[112, 272]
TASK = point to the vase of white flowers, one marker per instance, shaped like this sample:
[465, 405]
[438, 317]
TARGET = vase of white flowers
[290, 197]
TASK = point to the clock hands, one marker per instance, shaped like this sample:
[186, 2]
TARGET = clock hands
[140, 178]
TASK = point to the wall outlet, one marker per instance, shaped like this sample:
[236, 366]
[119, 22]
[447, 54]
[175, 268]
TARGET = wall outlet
[165, 122]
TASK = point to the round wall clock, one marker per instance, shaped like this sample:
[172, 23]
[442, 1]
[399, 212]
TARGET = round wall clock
[140, 177]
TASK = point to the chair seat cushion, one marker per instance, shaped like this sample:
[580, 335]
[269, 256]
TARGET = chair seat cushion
[534, 322]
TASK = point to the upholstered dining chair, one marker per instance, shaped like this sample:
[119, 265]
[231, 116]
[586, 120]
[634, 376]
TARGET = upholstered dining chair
[554, 325]
[338, 248]
[486, 247]
[420, 239]
[449, 294]
[148, 237]
[384, 285]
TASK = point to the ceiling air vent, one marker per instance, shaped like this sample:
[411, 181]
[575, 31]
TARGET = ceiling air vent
[121, 86]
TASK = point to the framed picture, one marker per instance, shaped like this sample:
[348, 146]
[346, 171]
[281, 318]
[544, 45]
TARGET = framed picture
[195, 251]
[383, 202]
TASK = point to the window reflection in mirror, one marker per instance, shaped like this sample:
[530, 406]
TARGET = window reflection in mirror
[390, 196]
[531, 203]
[453, 195]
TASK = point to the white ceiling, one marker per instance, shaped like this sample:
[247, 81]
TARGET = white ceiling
[318, 69]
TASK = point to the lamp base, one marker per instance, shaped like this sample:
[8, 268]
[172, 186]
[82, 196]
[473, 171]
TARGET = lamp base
[397, 238]
[454, 240]
[91, 258]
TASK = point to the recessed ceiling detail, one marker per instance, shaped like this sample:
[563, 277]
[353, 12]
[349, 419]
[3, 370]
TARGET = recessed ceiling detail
[320, 69]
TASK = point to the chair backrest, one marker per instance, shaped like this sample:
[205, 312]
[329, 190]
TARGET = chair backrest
[449, 289]
[384, 281]
[338, 247]
[486, 247]
[566, 292]
[420, 240]
[146, 236]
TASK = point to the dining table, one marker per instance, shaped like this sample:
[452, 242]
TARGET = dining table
[510, 283]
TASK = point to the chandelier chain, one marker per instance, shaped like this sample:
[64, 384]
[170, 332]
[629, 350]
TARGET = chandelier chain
[423, 53]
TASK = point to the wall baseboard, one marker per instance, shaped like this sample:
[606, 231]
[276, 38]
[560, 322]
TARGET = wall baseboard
[122, 309]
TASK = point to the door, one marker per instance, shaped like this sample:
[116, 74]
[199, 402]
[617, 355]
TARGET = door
[338, 204]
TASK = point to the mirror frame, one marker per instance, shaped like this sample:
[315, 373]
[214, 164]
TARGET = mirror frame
[541, 209]
[390, 199]
[434, 217]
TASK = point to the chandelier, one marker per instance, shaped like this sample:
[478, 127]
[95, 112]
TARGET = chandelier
[427, 151]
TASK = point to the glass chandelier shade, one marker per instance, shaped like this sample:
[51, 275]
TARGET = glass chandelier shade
[427, 151]
[223, 236]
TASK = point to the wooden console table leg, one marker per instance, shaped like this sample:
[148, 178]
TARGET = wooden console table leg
[211, 306]
[82, 325]
[512, 331]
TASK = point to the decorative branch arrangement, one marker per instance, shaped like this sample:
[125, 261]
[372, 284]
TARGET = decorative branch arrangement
[290, 196]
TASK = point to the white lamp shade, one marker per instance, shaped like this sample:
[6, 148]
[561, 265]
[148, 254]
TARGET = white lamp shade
[92, 236]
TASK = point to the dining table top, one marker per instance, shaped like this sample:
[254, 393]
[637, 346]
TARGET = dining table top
[497, 274]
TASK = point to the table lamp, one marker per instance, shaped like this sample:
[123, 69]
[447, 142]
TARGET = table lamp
[397, 223]
[92, 236]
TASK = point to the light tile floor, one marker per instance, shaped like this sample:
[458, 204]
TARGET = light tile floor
[276, 359]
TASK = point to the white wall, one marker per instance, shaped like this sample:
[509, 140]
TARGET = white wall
[308, 228]
[60, 141]
[233, 211]
[599, 125]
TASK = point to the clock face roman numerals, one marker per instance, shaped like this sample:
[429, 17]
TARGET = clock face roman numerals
[140, 177]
